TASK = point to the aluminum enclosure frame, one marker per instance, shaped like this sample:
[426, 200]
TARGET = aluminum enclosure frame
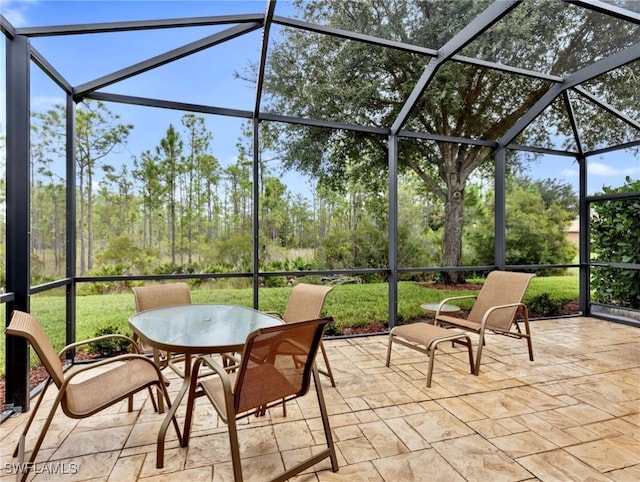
[20, 53]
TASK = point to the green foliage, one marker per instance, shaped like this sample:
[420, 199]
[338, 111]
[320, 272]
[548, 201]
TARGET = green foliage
[331, 330]
[367, 246]
[104, 287]
[535, 231]
[544, 305]
[109, 346]
[297, 264]
[461, 100]
[235, 251]
[218, 267]
[122, 251]
[615, 225]
[37, 270]
[552, 191]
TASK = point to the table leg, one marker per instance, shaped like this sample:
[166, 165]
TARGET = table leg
[186, 382]
[186, 431]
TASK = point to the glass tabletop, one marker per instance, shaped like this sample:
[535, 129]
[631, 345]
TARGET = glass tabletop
[432, 308]
[200, 328]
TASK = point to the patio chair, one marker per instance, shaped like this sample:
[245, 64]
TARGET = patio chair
[87, 390]
[495, 309]
[306, 303]
[158, 296]
[267, 375]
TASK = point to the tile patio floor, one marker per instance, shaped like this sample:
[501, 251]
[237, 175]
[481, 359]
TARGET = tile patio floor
[572, 415]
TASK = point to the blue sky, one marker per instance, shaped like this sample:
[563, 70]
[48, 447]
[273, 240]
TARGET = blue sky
[82, 59]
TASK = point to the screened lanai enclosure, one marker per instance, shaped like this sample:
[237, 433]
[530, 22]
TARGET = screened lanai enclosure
[248, 144]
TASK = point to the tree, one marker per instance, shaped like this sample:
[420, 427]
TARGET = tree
[48, 194]
[198, 139]
[238, 196]
[116, 190]
[552, 191]
[324, 77]
[98, 133]
[170, 151]
[210, 174]
[535, 228]
[148, 172]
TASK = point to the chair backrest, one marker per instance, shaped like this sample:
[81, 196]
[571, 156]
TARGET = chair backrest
[161, 295]
[26, 326]
[306, 302]
[276, 363]
[500, 288]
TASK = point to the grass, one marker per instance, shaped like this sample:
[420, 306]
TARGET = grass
[350, 305]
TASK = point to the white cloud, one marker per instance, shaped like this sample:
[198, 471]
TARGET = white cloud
[16, 11]
[600, 169]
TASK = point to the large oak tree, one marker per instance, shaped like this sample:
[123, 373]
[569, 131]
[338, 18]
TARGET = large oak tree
[323, 77]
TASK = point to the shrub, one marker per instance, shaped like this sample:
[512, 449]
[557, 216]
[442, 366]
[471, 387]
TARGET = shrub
[105, 287]
[614, 239]
[544, 305]
[110, 346]
[332, 330]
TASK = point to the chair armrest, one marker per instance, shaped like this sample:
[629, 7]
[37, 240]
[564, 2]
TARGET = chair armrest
[99, 338]
[108, 361]
[274, 313]
[227, 412]
[446, 300]
[222, 374]
[502, 307]
[211, 363]
[453, 298]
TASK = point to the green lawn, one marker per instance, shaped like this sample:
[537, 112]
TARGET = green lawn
[350, 305]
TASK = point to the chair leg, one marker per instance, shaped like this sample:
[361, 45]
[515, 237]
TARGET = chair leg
[20, 451]
[530, 348]
[527, 330]
[160, 399]
[325, 423]
[479, 355]
[159, 396]
[43, 432]
[389, 350]
[432, 355]
[153, 400]
[235, 448]
[470, 350]
[328, 373]
[330, 451]
[34, 410]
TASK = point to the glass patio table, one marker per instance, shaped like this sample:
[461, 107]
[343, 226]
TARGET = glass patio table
[196, 329]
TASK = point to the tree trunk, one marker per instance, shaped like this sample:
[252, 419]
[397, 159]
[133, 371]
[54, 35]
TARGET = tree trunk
[89, 220]
[452, 238]
[83, 267]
